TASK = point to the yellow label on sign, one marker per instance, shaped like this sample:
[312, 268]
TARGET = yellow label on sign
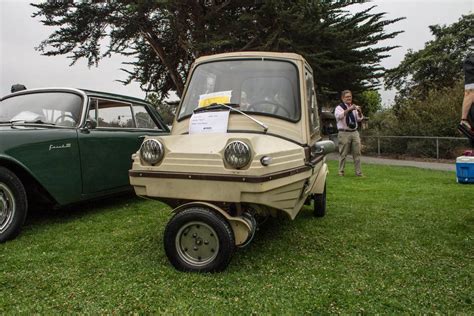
[216, 97]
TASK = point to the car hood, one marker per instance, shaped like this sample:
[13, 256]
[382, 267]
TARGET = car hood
[203, 153]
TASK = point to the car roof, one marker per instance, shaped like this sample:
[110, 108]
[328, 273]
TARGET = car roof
[109, 95]
[92, 93]
[272, 55]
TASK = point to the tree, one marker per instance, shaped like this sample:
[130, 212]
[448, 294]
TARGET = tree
[436, 115]
[164, 37]
[166, 109]
[437, 65]
[371, 102]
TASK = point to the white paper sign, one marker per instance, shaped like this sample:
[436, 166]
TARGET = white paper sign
[209, 122]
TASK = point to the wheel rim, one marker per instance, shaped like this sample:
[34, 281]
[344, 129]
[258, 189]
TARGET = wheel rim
[197, 243]
[7, 207]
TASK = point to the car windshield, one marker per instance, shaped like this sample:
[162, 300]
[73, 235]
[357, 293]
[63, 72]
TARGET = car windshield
[58, 108]
[268, 87]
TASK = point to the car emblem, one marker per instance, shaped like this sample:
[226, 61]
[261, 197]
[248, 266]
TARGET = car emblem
[63, 146]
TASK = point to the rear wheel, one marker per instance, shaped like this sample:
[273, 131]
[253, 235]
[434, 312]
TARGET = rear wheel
[320, 203]
[13, 205]
[199, 240]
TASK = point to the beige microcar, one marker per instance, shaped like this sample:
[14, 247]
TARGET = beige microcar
[245, 145]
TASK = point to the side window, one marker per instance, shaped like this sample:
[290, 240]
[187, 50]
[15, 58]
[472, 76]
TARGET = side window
[113, 114]
[92, 115]
[311, 102]
[143, 118]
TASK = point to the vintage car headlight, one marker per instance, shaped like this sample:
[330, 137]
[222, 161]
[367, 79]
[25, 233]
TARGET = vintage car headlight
[151, 151]
[237, 154]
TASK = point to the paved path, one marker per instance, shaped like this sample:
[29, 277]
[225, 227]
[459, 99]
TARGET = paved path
[406, 163]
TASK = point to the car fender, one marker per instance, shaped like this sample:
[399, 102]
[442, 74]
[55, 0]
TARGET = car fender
[318, 186]
[239, 226]
[28, 179]
[8, 161]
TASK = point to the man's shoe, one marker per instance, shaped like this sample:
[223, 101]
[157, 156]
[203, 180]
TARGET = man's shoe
[341, 174]
[359, 175]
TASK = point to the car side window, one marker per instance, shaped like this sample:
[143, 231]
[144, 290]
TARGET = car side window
[111, 113]
[311, 102]
[143, 118]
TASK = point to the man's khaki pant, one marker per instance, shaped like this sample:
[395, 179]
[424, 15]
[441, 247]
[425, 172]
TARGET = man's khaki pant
[349, 142]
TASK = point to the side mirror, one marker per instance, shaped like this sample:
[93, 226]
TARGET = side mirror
[324, 147]
[90, 124]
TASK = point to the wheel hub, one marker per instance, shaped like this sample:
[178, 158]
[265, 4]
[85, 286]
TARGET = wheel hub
[197, 243]
[7, 206]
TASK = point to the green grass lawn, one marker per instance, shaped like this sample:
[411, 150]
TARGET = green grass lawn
[400, 240]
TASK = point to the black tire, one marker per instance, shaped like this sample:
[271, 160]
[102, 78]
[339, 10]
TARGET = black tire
[320, 203]
[13, 205]
[199, 240]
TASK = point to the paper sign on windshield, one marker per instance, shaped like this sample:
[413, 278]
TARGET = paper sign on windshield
[215, 97]
[209, 122]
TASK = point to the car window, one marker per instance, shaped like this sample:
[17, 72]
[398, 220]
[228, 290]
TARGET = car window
[110, 113]
[60, 108]
[268, 87]
[143, 118]
[311, 102]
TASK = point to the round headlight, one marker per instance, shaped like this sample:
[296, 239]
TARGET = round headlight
[151, 151]
[237, 154]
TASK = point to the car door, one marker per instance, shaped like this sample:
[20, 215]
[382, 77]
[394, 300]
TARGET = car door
[106, 149]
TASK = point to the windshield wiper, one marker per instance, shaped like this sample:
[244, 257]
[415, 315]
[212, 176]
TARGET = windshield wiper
[216, 106]
[21, 122]
[231, 107]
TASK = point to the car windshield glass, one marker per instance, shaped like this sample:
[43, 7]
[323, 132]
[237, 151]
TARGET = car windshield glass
[267, 87]
[59, 108]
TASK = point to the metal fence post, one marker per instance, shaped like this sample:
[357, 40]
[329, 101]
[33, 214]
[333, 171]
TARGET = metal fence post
[437, 148]
[378, 145]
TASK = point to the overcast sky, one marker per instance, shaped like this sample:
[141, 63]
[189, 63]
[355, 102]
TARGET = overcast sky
[21, 63]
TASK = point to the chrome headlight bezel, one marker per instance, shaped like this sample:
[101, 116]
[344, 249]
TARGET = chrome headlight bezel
[237, 154]
[151, 151]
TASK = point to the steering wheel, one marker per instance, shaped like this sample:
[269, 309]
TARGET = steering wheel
[56, 121]
[275, 107]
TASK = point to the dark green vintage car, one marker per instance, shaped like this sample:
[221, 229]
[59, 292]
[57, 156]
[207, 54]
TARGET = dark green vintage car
[60, 146]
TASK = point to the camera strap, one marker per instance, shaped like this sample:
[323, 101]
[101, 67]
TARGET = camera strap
[350, 118]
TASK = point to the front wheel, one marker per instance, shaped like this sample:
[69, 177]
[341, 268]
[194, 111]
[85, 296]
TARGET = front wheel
[13, 205]
[320, 203]
[199, 240]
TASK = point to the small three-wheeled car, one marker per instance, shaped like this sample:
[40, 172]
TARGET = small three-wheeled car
[245, 145]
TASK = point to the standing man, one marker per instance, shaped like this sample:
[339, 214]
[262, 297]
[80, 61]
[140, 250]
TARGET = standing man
[348, 116]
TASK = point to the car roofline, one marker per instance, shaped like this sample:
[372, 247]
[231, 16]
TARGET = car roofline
[109, 95]
[251, 54]
[47, 89]
[83, 92]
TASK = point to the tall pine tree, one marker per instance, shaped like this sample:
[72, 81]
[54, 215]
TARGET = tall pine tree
[163, 37]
